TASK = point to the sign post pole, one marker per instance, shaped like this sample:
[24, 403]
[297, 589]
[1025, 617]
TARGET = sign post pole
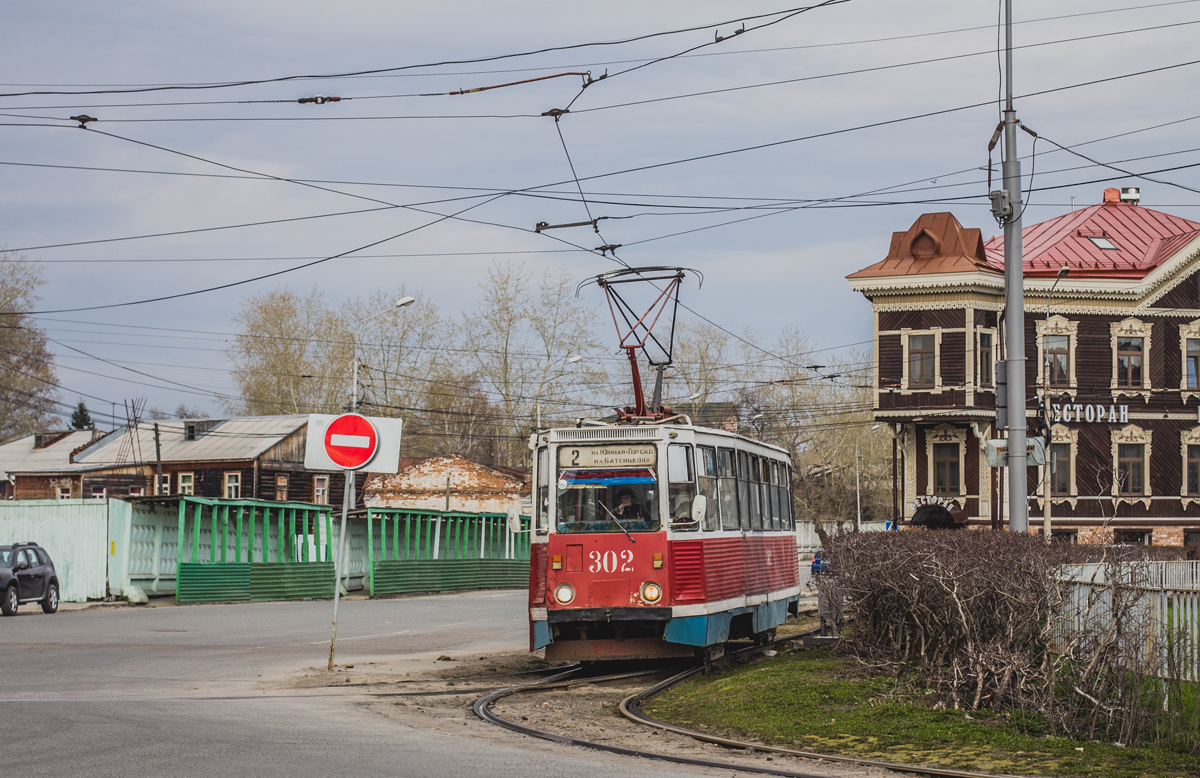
[347, 501]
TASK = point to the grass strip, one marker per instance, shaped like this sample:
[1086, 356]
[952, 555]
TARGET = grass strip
[820, 701]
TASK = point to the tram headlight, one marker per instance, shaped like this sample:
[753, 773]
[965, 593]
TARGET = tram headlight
[564, 594]
[651, 592]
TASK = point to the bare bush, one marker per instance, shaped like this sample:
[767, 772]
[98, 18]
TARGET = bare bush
[990, 620]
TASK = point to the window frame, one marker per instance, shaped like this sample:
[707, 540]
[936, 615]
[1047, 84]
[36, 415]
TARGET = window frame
[946, 433]
[1187, 438]
[1058, 325]
[906, 379]
[320, 491]
[187, 488]
[281, 479]
[992, 350]
[1131, 328]
[232, 478]
[1131, 435]
[1061, 434]
[1189, 331]
[59, 493]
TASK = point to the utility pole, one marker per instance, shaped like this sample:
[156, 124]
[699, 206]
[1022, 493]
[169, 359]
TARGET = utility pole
[1006, 206]
[157, 462]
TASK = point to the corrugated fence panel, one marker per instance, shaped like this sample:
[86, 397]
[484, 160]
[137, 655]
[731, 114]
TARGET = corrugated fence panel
[440, 575]
[75, 532]
[213, 583]
[291, 581]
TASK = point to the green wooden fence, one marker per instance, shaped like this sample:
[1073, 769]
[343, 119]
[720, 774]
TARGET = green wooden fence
[421, 551]
[252, 550]
[242, 550]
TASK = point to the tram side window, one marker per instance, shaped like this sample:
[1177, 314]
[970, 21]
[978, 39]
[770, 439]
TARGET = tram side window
[706, 479]
[681, 487]
[772, 479]
[728, 486]
[756, 493]
[789, 498]
[542, 506]
[743, 483]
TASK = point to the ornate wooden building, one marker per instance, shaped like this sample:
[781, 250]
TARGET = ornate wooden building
[1112, 347]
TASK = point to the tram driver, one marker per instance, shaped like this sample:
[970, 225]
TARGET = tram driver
[627, 509]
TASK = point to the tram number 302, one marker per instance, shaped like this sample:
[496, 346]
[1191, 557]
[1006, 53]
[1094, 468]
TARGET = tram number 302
[611, 561]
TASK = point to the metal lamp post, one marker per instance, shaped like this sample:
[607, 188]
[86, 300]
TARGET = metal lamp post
[1048, 467]
[857, 480]
[348, 497]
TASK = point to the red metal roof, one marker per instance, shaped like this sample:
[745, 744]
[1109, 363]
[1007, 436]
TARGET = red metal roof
[1144, 239]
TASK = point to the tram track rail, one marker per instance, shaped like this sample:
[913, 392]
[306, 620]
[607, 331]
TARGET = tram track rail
[630, 709]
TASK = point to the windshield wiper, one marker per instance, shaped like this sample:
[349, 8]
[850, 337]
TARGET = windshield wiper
[600, 502]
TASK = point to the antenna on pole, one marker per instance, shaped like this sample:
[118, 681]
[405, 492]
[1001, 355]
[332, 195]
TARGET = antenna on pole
[1007, 207]
[636, 331]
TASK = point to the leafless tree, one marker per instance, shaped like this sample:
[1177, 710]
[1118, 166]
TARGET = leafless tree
[28, 394]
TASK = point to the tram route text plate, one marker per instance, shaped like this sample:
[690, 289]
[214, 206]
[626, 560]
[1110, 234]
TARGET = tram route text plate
[607, 456]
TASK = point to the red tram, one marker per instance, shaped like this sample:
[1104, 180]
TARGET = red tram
[657, 540]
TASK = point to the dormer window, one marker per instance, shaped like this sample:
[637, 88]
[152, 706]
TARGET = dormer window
[189, 431]
[1102, 243]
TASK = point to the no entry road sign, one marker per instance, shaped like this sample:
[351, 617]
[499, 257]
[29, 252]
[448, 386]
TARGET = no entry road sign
[351, 441]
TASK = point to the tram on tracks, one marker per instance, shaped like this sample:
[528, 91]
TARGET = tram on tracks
[654, 537]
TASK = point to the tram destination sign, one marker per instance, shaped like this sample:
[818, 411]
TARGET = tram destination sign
[607, 456]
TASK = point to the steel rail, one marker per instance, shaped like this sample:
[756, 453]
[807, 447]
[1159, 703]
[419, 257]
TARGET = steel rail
[629, 708]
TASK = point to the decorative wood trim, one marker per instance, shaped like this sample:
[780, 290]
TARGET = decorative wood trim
[1058, 325]
[1132, 434]
[945, 433]
[1190, 330]
[1131, 328]
[1061, 433]
[937, 387]
[1186, 438]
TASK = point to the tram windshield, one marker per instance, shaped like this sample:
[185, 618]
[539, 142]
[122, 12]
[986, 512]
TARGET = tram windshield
[608, 500]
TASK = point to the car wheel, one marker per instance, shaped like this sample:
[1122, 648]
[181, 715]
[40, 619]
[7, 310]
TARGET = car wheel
[50, 602]
[8, 606]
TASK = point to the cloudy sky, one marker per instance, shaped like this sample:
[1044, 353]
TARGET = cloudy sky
[775, 161]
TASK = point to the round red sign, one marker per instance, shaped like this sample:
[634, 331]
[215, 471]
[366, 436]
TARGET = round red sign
[351, 441]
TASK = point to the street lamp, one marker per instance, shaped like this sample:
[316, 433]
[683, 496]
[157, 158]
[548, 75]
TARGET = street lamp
[1049, 456]
[401, 303]
[348, 490]
[857, 479]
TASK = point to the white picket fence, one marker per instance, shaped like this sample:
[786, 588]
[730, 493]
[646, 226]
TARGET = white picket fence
[1165, 596]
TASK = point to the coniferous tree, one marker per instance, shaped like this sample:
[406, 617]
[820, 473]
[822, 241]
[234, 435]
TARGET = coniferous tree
[81, 419]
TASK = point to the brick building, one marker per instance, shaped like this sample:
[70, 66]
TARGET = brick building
[1113, 348]
[451, 483]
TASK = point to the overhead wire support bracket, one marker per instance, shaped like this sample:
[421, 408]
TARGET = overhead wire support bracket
[556, 112]
[542, 226]
[319, 100]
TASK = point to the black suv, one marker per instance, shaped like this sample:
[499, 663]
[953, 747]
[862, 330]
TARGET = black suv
[27, 575]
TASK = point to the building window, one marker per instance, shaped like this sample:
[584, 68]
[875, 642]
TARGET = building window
[321, 489]
[1191, 373]
[64, 492]
[1058, 359]
[1057, 339]
[1131, 464]
[1064, 536]
[1060, 469]
[1191, 537]
[1193, 469]
[985, 360]
[945, 468]
[1129, 362]
[187, 483]
[1130, 349]
[1130, 471]
[233, 486]
[99, 492]
[281, 487]
[922, 354]
[1189, 355]
[137, 491]
[1135, 537]
[164, 484]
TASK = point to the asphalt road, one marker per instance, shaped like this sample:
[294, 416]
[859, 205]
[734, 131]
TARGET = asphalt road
[190, 691]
